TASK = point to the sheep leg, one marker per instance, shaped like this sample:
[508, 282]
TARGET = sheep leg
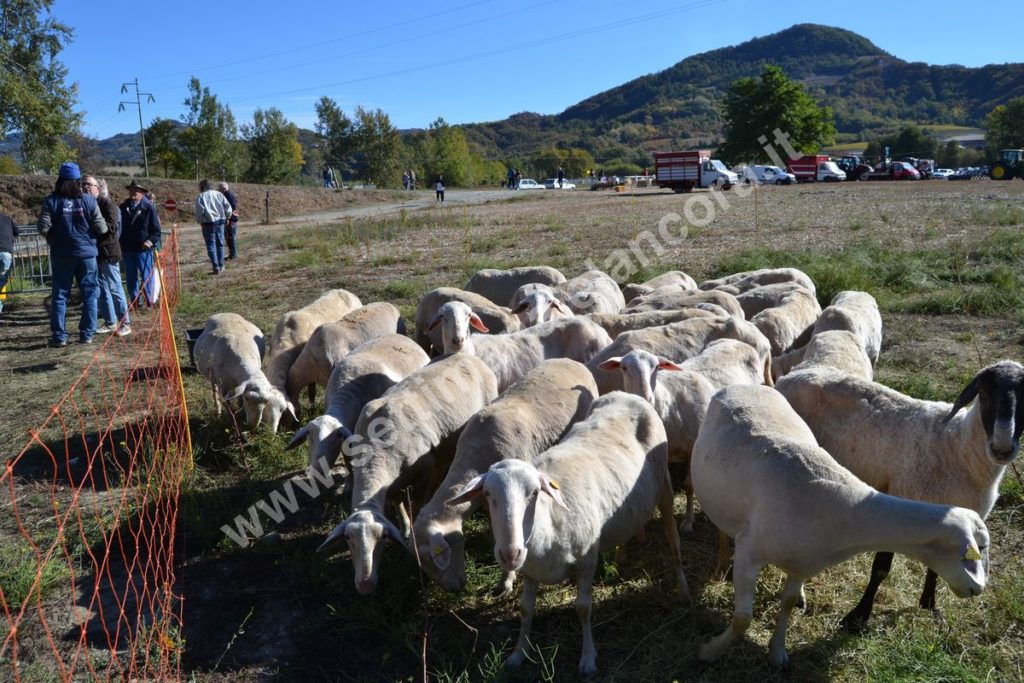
[311, 393]
[927, 600]
[686, 526]
[584, 610]
[724, 557]
[792, 596]
[744, 581]
[858, 617]
[665, 507]
[527, 608]
[217, 401]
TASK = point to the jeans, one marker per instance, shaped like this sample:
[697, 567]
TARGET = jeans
[136, 263]
[113, 305]
[6, 265]
[84, 270]
[213, 235]
[230, 232]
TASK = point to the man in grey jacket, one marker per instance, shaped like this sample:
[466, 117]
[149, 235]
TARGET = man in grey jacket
[8, 231]
[212, 211]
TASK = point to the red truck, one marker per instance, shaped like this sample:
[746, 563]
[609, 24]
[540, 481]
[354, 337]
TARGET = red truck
[815, 168]
[683, 171]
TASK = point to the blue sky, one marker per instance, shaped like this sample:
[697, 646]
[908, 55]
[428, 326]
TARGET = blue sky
[466, 60]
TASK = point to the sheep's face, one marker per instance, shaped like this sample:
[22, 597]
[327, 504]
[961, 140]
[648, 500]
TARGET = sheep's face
[639, 372]
[365, 532]
[443, 556]
[512, 489]
[960, 556]
[455, 319]
[999, 389]
[540, 306]
[275, 406]
[326, 436]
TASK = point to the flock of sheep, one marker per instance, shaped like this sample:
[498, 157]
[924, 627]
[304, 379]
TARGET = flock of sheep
[561, 413]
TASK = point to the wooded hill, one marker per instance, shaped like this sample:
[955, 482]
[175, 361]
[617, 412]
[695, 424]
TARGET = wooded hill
[868, 89]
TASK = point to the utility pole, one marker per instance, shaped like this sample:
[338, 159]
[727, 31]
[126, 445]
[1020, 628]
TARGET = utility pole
[138, 103]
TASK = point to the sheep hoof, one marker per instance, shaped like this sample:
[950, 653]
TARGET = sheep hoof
[939, 617]
[686, 526]
[780, 659]
[854, 622]
[515, 660]
[706, 653]
[588, 667]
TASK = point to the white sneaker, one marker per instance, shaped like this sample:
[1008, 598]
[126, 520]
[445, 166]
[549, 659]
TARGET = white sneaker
[106, 329]
[124, 330]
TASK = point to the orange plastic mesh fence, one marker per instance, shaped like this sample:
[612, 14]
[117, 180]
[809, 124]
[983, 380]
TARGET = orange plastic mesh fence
[91, 511]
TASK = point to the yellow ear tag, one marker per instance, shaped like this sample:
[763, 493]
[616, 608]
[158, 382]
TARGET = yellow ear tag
[972, 554]
[438, 551]
[554, 484]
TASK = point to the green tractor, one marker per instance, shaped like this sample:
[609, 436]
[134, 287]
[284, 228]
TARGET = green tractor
[1010, 164]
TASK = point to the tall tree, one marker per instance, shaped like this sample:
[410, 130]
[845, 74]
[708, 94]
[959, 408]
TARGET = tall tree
[210, 126]
[337, 131]
[754, 109]
[275, 155]
[162, 144]
[449, 155]
[34, 96]
[379, 145]
[911, 141]
[1004, 127]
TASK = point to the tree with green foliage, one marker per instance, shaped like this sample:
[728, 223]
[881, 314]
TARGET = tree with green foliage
[337, 131]
[950, 155]
[275, 155]
[378, 145]
[162, 144]
[911, 141]
[574, 161]
[449, 155]
[209, 129]
[1004, 127]
[754, 109]
[35, 98]
[8, 166]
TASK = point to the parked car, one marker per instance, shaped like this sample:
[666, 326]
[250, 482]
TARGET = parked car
[766, 175]
[904, 170]
[942, 173]
[552, 184]
[530, 184]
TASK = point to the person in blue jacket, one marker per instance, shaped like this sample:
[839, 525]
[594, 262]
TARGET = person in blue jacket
[70, 221]
[140, 239]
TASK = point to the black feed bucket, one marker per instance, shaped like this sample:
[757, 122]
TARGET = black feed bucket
[190, 338]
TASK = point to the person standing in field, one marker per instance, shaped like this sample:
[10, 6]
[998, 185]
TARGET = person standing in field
[561, 177]
[71, 221]
[212, 212]
[8, 231]
[113, 306]
[439, 188]
[412, 179]
[140, 239]
[231, 227]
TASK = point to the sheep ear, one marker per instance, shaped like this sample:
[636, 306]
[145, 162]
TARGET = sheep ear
[477, 323]
[235, 393]
[333, 537]
[299, 437]
[440, 551]
[555, 303]
[523, 306]
[291, 411]
[470, 491]
[666, 364]
[433, 322]
[965, 397]
[551, 487]
[611, 364]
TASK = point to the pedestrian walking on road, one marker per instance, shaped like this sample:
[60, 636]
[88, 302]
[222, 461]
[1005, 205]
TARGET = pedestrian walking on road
[212, 213]
[140, 240]
[8, 231]
[113, 305]
[231, 227]
[439, 188]
[71, 221]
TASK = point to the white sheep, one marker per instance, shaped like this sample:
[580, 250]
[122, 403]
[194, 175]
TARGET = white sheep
[617, 323]
[511, 356]
[406, 437]
[229, 354]
[536, 304]
[496, 319]
[592, 292]
[836, 349]
[332, 341]
[363, 375]
[680, 392]
[500, 285]
[755, 300]
[295, 327]
[673, 278]
[594, 490]
[923, 450]
[758, 278]
[802, 511]
[680, 341]
[791, 322]
[674, 299]
[530, 417]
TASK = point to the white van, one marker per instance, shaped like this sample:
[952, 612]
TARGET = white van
[768, 175]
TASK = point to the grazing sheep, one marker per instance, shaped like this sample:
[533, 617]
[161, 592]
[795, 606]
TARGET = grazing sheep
[229, 354]
[617, 323]
[532, 416]
[594, 490]
[802, 511]
[673, 278]
[674, 299]
[753, 301]
[536, 304]
[500, 285]
[759, 278]
[835, 349]
[295, 327]
[406, 438]
[681, 396]
[332, 341]
[363, 375]
[789, 323]
[923, 450]
[511, 356]
[496, 319]
[592, 292]
[679, 340]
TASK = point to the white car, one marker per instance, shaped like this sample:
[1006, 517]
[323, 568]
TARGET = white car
[530, 184]
[552, 184]
[942, 173]
[767, 175]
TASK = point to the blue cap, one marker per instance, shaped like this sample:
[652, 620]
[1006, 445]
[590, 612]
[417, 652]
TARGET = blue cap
[69, 171]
